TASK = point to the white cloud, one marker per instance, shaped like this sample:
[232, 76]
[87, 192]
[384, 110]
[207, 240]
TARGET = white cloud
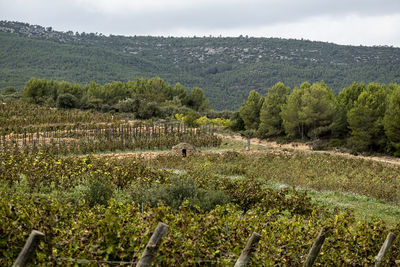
[348, 30]
[123, 7]
[352, 29]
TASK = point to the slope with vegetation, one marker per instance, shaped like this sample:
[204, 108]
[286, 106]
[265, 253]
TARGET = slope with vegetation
[226, 68]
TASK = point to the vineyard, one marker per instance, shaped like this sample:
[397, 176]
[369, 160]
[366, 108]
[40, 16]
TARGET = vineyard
[16, 117]
[101, 138]
[78, 132]
[100, 210]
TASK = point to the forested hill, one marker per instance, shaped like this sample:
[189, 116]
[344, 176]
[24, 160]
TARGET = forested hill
[225, 68]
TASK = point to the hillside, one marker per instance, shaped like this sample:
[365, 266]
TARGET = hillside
[225, 68]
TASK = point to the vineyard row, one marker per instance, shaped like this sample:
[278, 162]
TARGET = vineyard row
[152, 247]
[124, 137]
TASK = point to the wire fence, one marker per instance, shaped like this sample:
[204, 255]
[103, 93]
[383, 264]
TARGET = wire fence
[87, 261]
[149, 254]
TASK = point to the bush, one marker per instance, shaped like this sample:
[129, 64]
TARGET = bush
[170, 110]
[128, 105]
[190, 118]
[106, 108]
[213, 114]
[67, 101]
[336, 143]
[9, 90]
[147, 110]
[319, 144]
[245, 192]
[98, 191]
[179, 190]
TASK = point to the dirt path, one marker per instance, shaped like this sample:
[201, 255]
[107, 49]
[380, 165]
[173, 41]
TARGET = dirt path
[270, 145]
[305, 147]
[153, 154]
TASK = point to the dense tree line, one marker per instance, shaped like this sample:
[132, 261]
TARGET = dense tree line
[145, 98]
[361, 117]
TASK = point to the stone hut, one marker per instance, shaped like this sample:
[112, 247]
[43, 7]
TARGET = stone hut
[184, 149]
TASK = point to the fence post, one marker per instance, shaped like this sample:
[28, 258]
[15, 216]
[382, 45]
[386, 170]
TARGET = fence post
[153, 245]
[248, 250]
[316, 247]
[248, 141]
[28, 249]
[385, 248]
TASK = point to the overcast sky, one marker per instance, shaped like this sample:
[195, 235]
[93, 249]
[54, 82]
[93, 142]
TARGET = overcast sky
[355, 22]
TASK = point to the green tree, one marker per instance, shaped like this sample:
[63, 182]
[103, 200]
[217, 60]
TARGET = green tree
[346, 99]
[114, 92]
[391, 120]
[178, 91]
[64, 87]
[94, 90]
[36, 91]
[250, 110]
[250, 114]
[290, 113]
[196, 100]
[237, 123]
[270, 118]
[366, 119]
[190, 118]
[349, 95]
[310, 111]
[318, 110]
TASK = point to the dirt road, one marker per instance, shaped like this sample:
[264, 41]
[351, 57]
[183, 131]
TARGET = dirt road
[270, 145]
[296, 146]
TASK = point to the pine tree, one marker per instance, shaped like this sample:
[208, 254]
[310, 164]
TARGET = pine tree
[250, 114]
[270, 118]
[366, 119]
[391, 120]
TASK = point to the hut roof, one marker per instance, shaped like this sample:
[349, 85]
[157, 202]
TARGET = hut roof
[183, 146]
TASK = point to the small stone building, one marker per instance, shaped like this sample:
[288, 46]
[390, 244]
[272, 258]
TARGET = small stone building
[184, 149]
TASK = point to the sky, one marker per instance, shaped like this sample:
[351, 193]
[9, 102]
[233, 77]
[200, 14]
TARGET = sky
[348, 22]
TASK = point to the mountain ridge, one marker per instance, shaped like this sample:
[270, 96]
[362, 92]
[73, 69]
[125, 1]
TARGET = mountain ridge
[226, 68]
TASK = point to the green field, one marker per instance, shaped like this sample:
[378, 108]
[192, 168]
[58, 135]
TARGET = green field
[101, 207]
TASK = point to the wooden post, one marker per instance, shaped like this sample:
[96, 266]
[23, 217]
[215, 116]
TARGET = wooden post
[28, 249]
[248, 144]
[316, 247]
[385, 248]
[248, 250]
[153, 245]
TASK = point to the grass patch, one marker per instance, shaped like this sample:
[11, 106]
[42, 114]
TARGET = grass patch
[364, 208]
[369, 188]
